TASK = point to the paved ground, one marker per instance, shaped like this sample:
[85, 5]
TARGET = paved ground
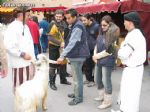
[57, 101]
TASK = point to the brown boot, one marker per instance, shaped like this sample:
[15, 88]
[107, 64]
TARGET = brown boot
[107, 101]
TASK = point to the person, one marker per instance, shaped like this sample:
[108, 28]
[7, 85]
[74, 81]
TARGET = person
[92, 28]
[76, 50]
[44, 39]
[3, 58]
[35, 19]
[19, 45]
[132, 54]
[56, 43]
[34, 30]
[104, 57]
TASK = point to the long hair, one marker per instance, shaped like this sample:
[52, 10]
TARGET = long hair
[107, 19]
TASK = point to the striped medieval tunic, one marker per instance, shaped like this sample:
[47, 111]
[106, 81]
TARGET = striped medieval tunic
[20, 75]
[16, 43]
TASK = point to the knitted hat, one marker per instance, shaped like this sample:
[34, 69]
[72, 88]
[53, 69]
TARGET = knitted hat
[133, 17]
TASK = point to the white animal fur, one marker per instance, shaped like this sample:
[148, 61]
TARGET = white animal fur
[32, 94]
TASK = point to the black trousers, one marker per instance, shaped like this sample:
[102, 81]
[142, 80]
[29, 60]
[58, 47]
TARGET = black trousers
[88, 67]
[54, 55]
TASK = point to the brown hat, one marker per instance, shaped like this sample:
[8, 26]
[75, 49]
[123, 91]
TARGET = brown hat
[21, 9]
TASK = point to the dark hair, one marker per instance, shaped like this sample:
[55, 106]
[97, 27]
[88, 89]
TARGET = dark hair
[72, 12]
[107, 18]
[59, 12]
[45, 18]
[89, 17]
[35, 19]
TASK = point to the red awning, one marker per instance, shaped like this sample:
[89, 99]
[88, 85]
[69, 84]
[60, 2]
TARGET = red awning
[126, 6]
[96, 8]
[144, 11]
[42, 9]
[134, 5]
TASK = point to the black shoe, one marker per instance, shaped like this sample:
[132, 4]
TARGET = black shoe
[53, 87]
[71, 95]
[68, 75]
[74, 102]
[66, 82]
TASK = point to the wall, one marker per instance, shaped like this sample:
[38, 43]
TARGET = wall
[42, 3]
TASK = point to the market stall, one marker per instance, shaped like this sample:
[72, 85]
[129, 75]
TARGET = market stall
[6, 14]
[117, 9]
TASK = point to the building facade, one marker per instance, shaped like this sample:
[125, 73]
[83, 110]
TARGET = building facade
[52, 3]
[57, 3]
[38, 3]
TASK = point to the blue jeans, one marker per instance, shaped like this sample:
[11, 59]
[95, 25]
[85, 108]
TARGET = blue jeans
[103, 78]
[36, 51]
[76, 67]
[44, 43]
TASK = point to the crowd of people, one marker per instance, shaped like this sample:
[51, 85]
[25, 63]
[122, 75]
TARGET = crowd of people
[89, 47]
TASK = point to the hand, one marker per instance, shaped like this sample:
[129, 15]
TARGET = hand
[3, 73]
[62, 45]
[60, 60]
[94, 59]
[53, 62]
[27, 57]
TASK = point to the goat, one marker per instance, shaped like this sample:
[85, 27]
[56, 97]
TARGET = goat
[33, 93]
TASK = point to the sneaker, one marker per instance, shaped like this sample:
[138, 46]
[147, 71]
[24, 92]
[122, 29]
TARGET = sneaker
[71, 95]
[91, 84]
[74, 102]
[86, 82]
[66, 82]
[68, 75]
[53, 87]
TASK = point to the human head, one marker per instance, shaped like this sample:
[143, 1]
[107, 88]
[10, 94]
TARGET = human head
[105, 22]
[131, 21]
[71, 16]
[22, 13]
[87, 19]
[59, 15]
[35, 19]
[45, 18]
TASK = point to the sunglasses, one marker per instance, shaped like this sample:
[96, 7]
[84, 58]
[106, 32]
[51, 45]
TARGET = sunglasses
[104, 25]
